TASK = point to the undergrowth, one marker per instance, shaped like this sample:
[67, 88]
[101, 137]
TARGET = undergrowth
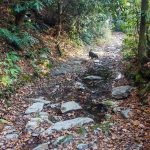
[18, 39]
[9, 70]
[21, 46]
[140, 79]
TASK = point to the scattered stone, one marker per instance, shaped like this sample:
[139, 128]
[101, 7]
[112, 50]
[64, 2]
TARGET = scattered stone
[92, 77]
[43, 146]
[82, 146]
[97, 61]
[125, 113]
[9, 133]
[33, 124]
[97, 131]
[39, 99]
[70, 106]
[56, 88]
[56, 105]
[116, 109]
[119, 76]
[12, 136]
[79, 86]
[34, 108]
[9, 130]
[64, 125]
[38, 131]
[121, 92]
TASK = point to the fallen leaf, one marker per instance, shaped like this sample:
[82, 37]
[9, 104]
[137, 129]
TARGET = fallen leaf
[136, 123]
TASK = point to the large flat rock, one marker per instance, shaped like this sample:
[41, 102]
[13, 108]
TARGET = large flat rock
[68, 124]
[34, 108]
[121, 92]
[70, 106]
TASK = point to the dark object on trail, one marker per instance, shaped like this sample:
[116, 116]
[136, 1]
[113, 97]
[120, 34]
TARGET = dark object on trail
[92, 55]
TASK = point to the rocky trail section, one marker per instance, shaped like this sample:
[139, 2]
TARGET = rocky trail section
[79, 106]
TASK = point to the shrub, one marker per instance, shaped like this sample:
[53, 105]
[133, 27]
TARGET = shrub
[9, 70]
[18, 39]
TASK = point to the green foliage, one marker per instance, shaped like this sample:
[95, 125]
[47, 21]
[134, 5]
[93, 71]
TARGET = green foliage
[66, 139]
[108, 116]
[105, 126]
[89, 20]
[18, 39]
[26, 78]
[3, 121]
[95, 27]
[109, 103]
[24, 5]
[9, 69]
[44, 50]
[82, 131]
[130, 45]
[42, 66]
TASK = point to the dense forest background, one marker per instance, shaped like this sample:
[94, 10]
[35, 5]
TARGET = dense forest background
[23, 23]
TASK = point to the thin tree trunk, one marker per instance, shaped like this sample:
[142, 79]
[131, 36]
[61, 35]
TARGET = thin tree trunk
[142, 52]
[59, 17]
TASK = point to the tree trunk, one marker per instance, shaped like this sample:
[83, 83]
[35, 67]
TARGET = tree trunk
[59, 17]
[142, 52]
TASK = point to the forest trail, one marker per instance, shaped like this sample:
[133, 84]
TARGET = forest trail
[77, 107]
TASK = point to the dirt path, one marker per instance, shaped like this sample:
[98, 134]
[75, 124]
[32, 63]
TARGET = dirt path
[74, 108]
